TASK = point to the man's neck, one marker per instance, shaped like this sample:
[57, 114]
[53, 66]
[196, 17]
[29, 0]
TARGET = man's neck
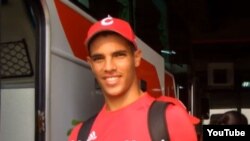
[117, 102]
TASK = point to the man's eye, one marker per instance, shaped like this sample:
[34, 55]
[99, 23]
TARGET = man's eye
[97, 58]
[120, 54]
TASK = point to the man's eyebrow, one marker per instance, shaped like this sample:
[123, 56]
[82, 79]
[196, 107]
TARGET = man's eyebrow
[120, 51]
[96, 55]
[115, 52]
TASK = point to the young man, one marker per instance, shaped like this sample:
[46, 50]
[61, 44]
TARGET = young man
[113, 58]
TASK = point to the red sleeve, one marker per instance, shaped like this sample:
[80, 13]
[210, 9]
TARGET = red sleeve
[74, 133]
[179, 126]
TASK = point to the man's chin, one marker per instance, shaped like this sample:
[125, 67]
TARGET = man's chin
[113, 93]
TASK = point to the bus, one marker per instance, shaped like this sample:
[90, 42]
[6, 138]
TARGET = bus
[46, 84]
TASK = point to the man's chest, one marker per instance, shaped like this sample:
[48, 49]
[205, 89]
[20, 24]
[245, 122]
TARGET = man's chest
[121, 128]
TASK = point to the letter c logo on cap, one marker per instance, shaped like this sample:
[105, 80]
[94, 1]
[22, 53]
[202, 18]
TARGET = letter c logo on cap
[107, 21]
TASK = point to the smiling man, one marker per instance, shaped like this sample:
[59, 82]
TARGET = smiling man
[113, 58]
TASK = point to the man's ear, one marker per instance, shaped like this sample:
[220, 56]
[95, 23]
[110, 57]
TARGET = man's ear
[137, 57]
[89, 62]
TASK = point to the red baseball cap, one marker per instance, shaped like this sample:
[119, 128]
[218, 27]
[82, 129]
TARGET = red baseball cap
[116, 25]
[175, 101]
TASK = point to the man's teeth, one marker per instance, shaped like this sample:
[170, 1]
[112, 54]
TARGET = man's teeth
[111, 78]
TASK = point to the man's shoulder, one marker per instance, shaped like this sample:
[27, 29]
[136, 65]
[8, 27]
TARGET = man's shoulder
[180, 107]
[74, 132]
[173, 100]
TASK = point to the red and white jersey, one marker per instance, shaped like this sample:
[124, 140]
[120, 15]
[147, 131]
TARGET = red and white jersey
[130, 123]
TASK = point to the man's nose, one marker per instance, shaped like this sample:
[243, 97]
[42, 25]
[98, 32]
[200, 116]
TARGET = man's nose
[109, 65]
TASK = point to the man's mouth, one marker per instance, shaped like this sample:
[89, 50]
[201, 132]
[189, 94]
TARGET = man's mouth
[112, 80]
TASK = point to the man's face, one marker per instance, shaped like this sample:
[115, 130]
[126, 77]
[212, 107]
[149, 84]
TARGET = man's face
[113, 64]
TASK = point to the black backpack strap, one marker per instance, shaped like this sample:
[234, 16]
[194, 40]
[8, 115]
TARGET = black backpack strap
[157, 121]
[85, 129]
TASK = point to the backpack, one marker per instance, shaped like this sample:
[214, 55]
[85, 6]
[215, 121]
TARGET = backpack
[156, 123]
